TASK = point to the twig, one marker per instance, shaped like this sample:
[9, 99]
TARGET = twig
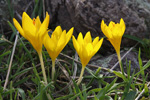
[63, 69]
[75, 66]
[12, 55]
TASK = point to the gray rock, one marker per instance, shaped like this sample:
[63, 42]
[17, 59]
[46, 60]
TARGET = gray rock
[86, 15]
[111, 60]
[15, 6]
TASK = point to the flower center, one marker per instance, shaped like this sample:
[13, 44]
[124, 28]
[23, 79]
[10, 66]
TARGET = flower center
[34, 21]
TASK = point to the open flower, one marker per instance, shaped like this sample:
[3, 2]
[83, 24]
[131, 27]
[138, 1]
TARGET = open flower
[32, 30]
[114, 33]
[86, 49]
[55, 44]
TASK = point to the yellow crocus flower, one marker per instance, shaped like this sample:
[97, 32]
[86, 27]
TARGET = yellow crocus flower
[33, 31]
[55, 44]
[114, 33]
[86, 49]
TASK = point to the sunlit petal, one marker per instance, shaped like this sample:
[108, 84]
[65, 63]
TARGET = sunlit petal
[88, 38]
[69, 34]
[95, 41]
[27, 24]
[38, 22]
[80, 39]
[43, 26]
[19, 28]
[75, 43]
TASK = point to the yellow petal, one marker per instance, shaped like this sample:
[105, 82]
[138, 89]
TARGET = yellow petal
[104, 28]
[48, 43]
[61, 43]
[111, 25]
[80, 39]
[44, 25]
[37, 22]
[19, 28]
[75, 44]
[122, 24]
[57, 32]
[84, 56]
[62, 39]
[107, 30]
[28, 25]
[89, 48]
[69, 34]
[34, 41]
[95, 41]
[97, 47]
[87, 38]
[25, 15]
[50, 46]
[116, 43]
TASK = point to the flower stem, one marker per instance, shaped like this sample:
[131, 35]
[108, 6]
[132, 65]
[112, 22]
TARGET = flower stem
[53, 69]
[44, 73]
[42, 66]
[119, 58]
[81, 74]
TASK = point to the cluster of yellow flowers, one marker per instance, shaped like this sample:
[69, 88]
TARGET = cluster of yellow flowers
[37, 34]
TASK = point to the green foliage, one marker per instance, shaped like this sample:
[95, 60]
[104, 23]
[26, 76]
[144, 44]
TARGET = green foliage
[29, 71]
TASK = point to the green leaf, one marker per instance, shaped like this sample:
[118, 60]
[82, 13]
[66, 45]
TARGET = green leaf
[119, 74]
[65, 97]
[5, 53]
[146, 92]
[94, 90]
[133, 38]
[21, 81]
[84, 92]
[42, 91]
[140, 63]
[98, 70]
[127, 86]
[131, 95]
[11, 91]
[101, 94]
[23, 71]
[107, 98]
[143, 68]
[22, 93]
[90, 71]
[77, 90]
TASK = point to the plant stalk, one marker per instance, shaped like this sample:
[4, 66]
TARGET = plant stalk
[53, 69]
[42, 66]
[119, 58]
[81, 74]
